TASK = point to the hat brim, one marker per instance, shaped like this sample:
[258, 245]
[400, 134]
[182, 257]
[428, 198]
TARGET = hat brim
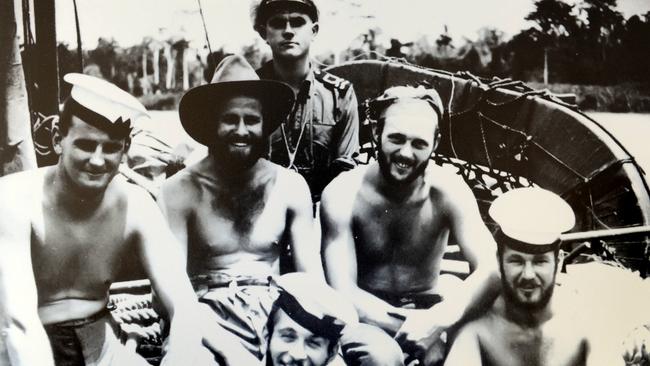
[198, 107]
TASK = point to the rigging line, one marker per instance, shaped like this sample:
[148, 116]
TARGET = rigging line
[205, 29]
[551, 155]
[80, 59]
[451, 98]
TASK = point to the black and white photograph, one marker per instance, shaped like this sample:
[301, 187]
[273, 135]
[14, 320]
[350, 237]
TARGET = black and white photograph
[324, 182]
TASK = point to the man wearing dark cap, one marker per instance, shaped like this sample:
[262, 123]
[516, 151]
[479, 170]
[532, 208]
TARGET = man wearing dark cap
[77, 222]
[306, 322]
[386, 227]
[524, 325]
[321, 135]
[233, 211]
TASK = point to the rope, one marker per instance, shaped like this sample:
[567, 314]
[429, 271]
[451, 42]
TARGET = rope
[531, 140]
[80, 58]
[205, 29]
[451, 98]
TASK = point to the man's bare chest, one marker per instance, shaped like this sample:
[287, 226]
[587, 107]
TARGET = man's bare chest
[229, 223]
[79, 252]
[413, 230]
[543, 346]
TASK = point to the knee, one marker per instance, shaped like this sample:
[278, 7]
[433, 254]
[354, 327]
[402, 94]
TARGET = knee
[368, 345]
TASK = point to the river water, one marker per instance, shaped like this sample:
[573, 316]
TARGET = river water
[631, 129]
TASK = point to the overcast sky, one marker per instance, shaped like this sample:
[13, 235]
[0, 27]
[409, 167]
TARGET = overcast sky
[229, 24]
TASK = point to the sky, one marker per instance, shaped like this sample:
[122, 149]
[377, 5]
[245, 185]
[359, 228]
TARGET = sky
[229, 23]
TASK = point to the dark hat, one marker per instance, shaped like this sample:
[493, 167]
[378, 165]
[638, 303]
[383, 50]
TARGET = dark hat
[102, 104]
[531, 219]
[233, 77]
[397, 93]
[267, 6]
[310, 302]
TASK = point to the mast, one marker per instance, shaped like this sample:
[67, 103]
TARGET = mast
[16, 146]
[45, 75]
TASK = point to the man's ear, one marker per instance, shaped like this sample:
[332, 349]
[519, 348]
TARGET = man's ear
[333, 352]
[436, 140]
[56, 138]
[314, 28]
[127, 144]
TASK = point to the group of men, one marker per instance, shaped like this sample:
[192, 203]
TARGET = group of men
[226, 228]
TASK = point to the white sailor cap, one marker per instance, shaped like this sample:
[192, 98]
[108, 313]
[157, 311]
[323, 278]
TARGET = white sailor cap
[531, 219]
[103, 104]
[310, 302]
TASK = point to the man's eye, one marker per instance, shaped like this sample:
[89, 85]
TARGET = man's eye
[396, 139]
[288, 337]
[84, 145]
[277, 23]
[112, 148]
[252, 120]
[315, 342]
[420, 144]
[229, 119]
[297, 22]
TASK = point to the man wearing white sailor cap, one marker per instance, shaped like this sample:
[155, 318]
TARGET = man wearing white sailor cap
[78, 224]
[525, 326]
[306, 322]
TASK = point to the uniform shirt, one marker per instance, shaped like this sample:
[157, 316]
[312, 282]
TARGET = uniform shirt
[324, 125]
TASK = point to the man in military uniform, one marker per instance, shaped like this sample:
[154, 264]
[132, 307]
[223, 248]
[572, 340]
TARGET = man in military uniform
[321, 135]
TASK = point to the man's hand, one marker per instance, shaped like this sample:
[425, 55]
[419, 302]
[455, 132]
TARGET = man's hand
[636, 347]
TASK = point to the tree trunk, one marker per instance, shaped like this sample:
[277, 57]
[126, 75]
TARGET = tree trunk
[186, 78]
[169, 78]
[545, 66]
[16, 146]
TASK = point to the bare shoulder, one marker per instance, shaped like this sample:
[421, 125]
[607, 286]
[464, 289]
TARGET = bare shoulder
[17, 188]
[449, 186]
[180, 189]
[289, 180]
[340, 195]
[346, 185]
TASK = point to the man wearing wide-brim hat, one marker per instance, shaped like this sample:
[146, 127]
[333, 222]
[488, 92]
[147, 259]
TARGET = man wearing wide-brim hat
[78, 223]
[233, 211]
[525, 325]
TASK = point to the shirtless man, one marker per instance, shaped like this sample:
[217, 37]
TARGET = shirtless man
[81, 222]
[386, 227]
[233, 211]
[525, 326]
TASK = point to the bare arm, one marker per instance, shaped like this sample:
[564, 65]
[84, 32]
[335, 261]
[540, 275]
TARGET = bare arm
[302, 238]
[340, 260]
[163, 262]
[22, 338]
[479, 248]
[465, 351]
[478, 290]
[174, 202]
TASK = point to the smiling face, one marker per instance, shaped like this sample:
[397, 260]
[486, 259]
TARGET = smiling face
[407, 139]
[292, 344]
[89, 156]
[239, 137]
[290, 34]
[528, 279]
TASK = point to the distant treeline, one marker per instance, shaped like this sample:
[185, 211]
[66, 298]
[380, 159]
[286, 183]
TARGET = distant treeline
[586, 43]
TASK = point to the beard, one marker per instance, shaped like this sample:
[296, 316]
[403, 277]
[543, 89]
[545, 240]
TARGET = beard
[384, 168]
[234, 159]
[510, 293]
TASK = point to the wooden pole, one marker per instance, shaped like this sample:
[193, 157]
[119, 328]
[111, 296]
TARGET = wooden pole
[607, 233]
[16, 146]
